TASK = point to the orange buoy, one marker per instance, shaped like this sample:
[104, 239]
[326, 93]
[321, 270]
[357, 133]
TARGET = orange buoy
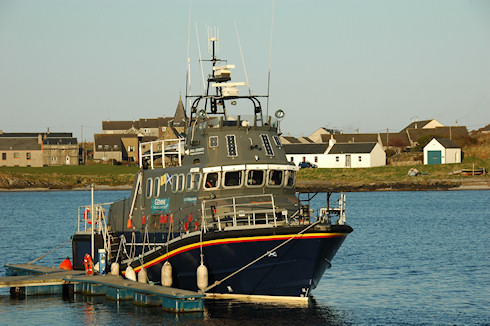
[89, 265]
[66, 264]
[130, 224]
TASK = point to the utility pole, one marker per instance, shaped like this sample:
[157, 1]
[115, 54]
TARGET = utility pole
[387, 142]
[83, 149]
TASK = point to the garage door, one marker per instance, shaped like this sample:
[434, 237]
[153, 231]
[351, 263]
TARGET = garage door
[433, 157]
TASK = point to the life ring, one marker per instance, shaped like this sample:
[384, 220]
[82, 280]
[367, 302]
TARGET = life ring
[89, 265]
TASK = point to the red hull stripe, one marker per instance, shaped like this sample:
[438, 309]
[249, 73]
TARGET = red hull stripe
[237, 240]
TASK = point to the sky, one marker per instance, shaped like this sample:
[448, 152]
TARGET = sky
[365, 65]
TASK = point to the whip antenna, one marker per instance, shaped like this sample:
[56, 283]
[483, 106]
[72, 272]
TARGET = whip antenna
[188, 77]
[270, 55]
[200, 59]
[243, 60]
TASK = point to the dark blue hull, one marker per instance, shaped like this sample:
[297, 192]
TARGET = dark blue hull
[291, 270]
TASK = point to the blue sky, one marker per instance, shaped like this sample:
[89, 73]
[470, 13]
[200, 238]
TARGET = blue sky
[367, 65]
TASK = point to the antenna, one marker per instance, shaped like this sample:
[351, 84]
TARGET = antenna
[270, 55]
[188, 77]
[243, 60]
[200, 59]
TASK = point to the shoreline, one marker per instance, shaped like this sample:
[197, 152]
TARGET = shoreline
[317, 186]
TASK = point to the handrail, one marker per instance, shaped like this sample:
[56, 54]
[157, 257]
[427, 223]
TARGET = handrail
[153, 155]
[231, 210]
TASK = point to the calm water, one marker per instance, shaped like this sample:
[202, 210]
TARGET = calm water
[414, 258]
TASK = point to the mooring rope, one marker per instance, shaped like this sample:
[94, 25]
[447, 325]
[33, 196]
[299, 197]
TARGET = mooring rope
[49, 252]
[256, 260]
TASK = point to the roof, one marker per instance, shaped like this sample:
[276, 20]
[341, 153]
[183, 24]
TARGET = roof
[442, 132]
[289, 140]
[302, 148]
[148, 123]
[352, 148]
[417, 124]
[119, 125]
[351, 138]
[446, 142]
[60, 141]
[108, 139]
[305, 140]
[19, 144]
[36, 134]
[394, 139]
[180, 115]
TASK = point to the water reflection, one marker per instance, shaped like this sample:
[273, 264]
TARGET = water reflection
[92, 310]
[232, 312]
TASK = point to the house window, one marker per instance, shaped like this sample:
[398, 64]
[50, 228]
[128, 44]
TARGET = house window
[292, 159]
[360, 158]
[54, 158]
[116, 146]
[4, 156]
[106, 146]
[99, 146]
[316, 159]
[337, 159]
[146, 130]
[16, 154]
[130, 148]
[28, 155]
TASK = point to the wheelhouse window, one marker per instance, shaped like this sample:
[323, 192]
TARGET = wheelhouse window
[233, 179]
[360, 158]
[255, 178]
[194, 181]
[28, 155]
[149, 183]
[4, 156]
[16, 154]
[181, 182]
[275, 178]
[156, 187]
[290, 179]
[175, 183]
[211, 180]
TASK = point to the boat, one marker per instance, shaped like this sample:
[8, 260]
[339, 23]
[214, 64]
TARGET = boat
[217, 210]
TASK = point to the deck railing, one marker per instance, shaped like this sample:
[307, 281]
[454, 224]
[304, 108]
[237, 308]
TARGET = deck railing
[240, 210]
[150, 152]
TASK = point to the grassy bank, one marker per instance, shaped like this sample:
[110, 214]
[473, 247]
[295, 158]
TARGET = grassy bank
[396, 173]
[69, 177]
[66, 177]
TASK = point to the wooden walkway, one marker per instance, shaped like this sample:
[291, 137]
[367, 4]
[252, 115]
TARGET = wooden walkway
[24, 280]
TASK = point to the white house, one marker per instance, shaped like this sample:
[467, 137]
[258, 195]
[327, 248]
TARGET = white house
[313, 153]
[356, 155]
[441, 151]
[337, 155]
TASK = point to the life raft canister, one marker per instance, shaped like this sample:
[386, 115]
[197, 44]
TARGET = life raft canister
[89, 265]
[66, 264]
